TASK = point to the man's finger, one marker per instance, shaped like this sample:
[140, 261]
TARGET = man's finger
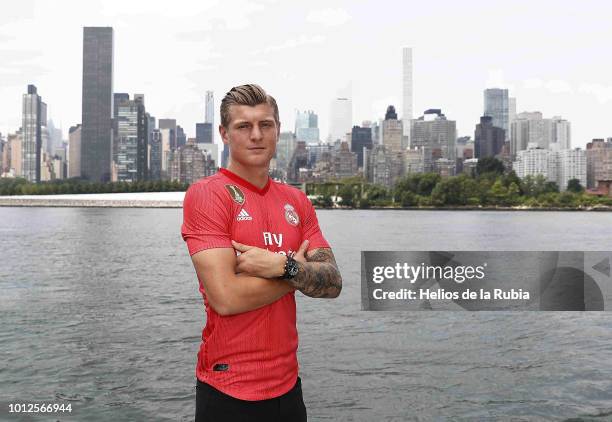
[303, 248]
[240, 247]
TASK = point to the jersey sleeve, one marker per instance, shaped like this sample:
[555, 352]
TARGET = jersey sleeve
[205, 219]
[310, 228]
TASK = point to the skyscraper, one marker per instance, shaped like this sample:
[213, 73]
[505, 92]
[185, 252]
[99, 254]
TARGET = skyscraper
[74, 151]
[488, 139]
[306, 126]
[167, 127]
[15, 141]
[125, 145]
[5, 162]
[531, 128]
[284, 150]
[497, 105]
[204, 133]
[181, 137]
[118, 98]
[169, 124]
[33, 116]
[407, 91]
[572, 165]
[97, 103]
[392, 134]
[436, 134]
[361, 137]
[341, 119]
[599, 161]
[209, 108]
[155, 155]
[189, 163]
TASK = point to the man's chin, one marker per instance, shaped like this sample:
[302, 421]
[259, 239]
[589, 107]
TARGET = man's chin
[256, 162]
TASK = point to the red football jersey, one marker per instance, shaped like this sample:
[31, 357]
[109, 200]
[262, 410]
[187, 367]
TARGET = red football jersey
[253, 355]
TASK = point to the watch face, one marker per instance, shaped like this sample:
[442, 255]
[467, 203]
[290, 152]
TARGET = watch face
[293, 269]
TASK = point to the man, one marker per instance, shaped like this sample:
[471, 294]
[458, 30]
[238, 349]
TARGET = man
[247, 366]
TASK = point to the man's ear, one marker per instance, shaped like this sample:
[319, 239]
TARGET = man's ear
[223, 133]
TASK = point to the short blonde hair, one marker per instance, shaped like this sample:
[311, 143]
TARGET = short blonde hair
[249, 94]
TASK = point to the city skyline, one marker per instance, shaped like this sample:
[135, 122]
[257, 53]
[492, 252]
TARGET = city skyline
[545, 65]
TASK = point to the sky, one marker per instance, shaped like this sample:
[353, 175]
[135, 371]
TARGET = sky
[553, 56]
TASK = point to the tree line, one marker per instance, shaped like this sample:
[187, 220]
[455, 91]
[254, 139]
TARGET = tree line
[490, 185]
[20, 186]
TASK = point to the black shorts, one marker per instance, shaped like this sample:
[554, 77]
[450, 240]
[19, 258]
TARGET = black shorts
[214, 406]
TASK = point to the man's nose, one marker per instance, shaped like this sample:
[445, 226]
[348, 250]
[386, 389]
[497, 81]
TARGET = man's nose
[256, 133]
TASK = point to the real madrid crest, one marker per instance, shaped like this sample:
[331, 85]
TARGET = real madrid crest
[291, 216]
[236, 194]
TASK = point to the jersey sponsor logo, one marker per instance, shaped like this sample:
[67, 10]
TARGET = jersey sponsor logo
[291, 216]
[243, 215]
[236, 194]
[273, 239]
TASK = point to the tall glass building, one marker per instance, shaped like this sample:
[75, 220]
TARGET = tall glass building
[497, 105]
[33, 118]
[97, 103]
[306, 126]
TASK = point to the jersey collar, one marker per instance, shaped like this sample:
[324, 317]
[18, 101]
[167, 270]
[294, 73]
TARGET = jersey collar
[245, 183]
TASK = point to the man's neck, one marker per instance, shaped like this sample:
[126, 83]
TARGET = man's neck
[257, 176]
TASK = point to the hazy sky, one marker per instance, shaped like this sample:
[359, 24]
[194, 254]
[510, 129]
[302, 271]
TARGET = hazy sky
[554, 56]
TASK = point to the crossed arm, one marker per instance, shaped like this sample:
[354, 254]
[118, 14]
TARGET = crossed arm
[235, 285]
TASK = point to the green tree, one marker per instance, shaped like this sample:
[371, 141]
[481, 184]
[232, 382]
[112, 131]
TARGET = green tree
[376, 193]
[514, 194]
[489, 165]
[499, 194]
[418, 183]
[408, 199]
[568, 199]
[535, 185]
[573, 185]
[510, 178]
[449, 191]
[551, 187]
[347, 194]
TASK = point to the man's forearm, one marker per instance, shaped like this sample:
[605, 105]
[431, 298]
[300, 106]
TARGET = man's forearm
[245, 293]
[319, 276]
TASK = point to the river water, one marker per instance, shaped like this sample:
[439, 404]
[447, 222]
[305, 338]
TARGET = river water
[99, 308]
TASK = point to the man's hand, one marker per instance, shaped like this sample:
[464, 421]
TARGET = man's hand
[260, 262]
[319, 276]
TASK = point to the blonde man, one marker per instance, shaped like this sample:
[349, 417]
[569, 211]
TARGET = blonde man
[253, 243]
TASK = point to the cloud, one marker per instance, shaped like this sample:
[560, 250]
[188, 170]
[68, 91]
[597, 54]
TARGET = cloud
[532, 83]
[601, 92]
[558, 86]
[555, 86]
[155, 7]
[21, 67]
[328, 17]
[292, 43]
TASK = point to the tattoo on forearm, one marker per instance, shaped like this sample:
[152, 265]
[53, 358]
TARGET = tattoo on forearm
[319, 276]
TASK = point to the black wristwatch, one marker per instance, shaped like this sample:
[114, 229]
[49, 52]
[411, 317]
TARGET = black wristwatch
[291, 268]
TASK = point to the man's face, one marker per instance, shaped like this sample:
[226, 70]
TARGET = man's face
[251, 134]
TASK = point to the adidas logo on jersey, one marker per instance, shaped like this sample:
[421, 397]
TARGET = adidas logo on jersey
[243, 216]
